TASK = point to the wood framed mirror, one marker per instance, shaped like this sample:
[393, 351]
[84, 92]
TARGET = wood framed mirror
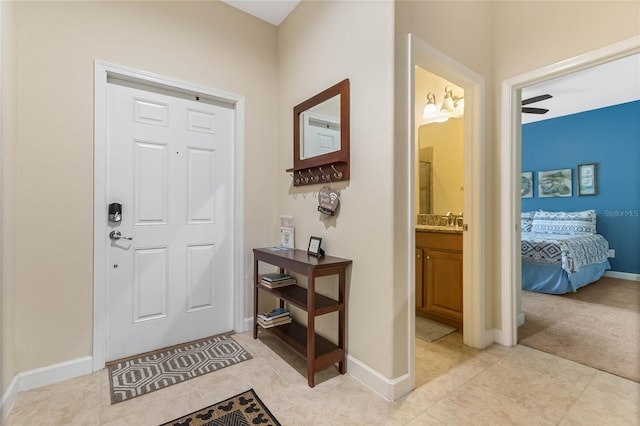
[321, 137]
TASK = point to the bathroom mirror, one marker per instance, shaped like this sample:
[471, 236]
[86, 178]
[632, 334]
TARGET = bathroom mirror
[321, 137]
[440, 168]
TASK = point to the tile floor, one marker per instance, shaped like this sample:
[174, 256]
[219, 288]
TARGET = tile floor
[457, 385]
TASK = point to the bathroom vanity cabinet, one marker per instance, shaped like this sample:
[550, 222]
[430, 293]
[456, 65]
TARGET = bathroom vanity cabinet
[318, 352]
[439, 275]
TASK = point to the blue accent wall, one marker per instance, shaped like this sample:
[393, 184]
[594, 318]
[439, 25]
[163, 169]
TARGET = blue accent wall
[609, 137]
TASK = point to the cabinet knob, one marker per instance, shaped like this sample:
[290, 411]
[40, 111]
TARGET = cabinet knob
[428, 257]
[419, 255]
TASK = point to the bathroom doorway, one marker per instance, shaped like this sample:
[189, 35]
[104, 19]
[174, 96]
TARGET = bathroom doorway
[470, 85]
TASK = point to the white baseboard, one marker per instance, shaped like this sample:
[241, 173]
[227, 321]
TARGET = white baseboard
[44, 376]
[494, 335]
[55, 373]
[520, 320]
[247, 325]
[9, 397]
[622, 275]
[389, 389]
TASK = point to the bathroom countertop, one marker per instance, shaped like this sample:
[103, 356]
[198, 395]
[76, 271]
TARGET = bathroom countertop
[443, 229]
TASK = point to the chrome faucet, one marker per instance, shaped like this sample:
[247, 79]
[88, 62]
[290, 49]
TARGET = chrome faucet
[451, 219]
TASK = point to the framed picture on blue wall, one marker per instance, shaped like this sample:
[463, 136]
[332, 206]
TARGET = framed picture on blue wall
[526, 185]
[587, 179]
[555, 183]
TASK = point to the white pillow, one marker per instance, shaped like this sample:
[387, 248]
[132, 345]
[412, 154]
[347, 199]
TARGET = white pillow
[526, 221]
[564, 223]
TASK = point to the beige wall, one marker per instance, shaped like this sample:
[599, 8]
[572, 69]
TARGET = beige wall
[211, 44]
[319, 45]
[7, 194]
[207, 43]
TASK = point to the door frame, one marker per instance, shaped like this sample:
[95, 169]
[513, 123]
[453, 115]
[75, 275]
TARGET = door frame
[510, 164]
[474, 259]
[104, 70]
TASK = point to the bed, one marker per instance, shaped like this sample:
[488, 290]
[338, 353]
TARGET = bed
[561, 251]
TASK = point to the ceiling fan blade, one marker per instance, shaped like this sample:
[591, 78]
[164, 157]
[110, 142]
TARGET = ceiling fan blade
[536, 99]
[535, 110]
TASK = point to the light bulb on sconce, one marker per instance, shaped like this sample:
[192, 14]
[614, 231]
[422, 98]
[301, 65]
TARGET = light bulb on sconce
[452, 105]
[430, 112]
[430, 108]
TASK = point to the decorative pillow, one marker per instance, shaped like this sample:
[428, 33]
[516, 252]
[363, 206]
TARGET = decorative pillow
[526, 221]
[564, 223]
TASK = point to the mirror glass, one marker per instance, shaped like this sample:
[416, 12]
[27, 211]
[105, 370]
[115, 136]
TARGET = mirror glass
[320, 129]
[440, 168]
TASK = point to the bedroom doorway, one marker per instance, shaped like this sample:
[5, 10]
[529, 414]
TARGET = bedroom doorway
[511, 156]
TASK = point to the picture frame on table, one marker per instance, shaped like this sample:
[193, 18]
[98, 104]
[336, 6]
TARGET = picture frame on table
[314, 247]
[587, 179]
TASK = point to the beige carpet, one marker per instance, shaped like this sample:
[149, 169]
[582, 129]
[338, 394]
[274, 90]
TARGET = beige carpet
[598, 326]
[431, 331]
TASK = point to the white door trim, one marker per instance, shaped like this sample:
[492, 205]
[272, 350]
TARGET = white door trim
[474, 259]
[103, 70]
[510, 164]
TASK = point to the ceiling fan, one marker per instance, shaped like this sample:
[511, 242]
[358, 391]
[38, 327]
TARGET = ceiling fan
[531, 110]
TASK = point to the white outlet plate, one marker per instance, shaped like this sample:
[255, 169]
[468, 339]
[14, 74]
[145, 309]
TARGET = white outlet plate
[612, 253]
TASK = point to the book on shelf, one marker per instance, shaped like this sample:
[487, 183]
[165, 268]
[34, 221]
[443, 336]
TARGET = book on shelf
[274, 314]
[275, 277]
[278, 283]
[274, 323]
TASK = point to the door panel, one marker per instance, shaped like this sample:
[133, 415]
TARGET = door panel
[202, 184]
[201, 277]
[169, 167]
[150, 284]
[150, 183]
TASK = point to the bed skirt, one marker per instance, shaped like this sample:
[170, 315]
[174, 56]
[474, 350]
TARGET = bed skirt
[552, 279]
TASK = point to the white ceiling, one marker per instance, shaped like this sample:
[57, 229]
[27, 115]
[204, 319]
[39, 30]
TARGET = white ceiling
[272, 11]
[604, 85]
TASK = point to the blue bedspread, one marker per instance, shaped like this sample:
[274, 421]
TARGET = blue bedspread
[558, 264]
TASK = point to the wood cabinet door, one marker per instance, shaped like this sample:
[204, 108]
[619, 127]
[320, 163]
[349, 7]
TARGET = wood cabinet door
[443, 287]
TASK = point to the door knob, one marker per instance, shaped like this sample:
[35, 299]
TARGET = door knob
[116, 235]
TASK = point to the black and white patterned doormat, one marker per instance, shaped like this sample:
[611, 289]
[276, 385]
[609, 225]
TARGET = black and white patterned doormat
[243, 409]
[134, 377]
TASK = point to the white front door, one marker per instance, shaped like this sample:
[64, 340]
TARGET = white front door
[169, 167]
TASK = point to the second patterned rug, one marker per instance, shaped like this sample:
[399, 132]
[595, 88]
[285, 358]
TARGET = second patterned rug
[134, 377]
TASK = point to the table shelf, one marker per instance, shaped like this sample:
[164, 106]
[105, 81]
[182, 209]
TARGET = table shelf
[319, 352]
[297, 296]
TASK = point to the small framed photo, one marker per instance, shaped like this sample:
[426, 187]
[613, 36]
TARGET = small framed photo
[587, 179]
[555, 183]
[526, 185]
[314, 247]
